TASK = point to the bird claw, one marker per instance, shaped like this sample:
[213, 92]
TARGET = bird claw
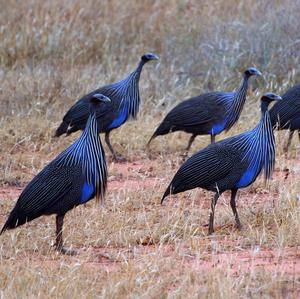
[239, 226]
[66, 251]
[118, 158]
[210, 230]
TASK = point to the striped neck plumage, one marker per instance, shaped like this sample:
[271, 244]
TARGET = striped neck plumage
[91, 127]
[259, 145]
[87, 152]
[268, 144]
[127, 91]
[236, 106]
[138, 70]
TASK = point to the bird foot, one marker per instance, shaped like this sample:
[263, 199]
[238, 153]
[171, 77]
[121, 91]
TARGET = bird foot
[210, 231]
[239, 226]
[66, 251]
[118, 158]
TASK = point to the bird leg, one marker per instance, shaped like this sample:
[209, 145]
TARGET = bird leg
[190, 142]
[115, 156]
[212, 213]
[233, 207]
[289, 141]
[59, 239]
[212, 138]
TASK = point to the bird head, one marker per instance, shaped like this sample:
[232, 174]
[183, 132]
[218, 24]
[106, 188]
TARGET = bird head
[149, 56]
[252, 71]
[266, 99]
[270, 97]
[97, 99]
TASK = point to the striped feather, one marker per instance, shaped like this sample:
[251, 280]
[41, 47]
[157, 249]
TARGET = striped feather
[88, 153]
[258, 146]
[126, 92]
[232, 163]
[209, 113]
[125, 102]
[234, 103]
[284, 112]
[59, 187]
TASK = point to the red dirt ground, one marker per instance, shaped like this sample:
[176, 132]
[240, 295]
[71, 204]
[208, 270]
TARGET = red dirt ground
[286, 261]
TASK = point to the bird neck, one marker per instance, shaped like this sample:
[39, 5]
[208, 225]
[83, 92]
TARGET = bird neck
[242, 90]
[266, 142]
[132, 79]
[138, 70]
[88, 152]
[264, 107]
[131, 101]
[91, 130]
[92, 127]
[265, 120]
[235, 107]
[258, 146]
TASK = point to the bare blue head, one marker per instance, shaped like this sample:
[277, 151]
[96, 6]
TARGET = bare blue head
[268, 98]
[252, 71]
[149, 56]
[96, 100]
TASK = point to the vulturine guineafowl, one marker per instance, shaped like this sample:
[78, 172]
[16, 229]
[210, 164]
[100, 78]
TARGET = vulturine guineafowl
[230, 164]
[125, 102]
[74, 177]
[210, 113]
[285, 115]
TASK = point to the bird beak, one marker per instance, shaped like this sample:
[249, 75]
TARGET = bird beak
[258, 73]
[278, 98]
[102, 98]
[155, 57]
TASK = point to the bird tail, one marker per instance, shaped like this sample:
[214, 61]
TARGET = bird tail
[63, 128]
[14, 220]
[152, 137]
[167, 193]
[163, 129]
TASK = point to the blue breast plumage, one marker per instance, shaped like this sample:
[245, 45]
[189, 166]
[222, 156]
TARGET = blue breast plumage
[247, 178]
[88, 192]
[259, 151]
[122, 116]
[217, 128]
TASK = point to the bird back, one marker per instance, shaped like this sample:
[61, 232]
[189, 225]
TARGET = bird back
[232, 163]
[285, 111]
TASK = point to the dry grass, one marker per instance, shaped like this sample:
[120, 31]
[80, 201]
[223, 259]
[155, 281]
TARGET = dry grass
[51, 53]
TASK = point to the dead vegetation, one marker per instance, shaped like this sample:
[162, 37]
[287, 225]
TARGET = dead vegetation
[51, 53]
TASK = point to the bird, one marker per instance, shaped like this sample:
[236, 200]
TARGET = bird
[230, 164]
[285, 115]
[209, 113]
[74, 177]
[125, 102]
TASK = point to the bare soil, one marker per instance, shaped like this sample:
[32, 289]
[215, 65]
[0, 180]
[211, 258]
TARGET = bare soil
[137, 174]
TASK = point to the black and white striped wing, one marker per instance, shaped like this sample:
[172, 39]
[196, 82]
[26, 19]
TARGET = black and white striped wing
[197, 111]
[284, 113]
[78, 114]
[204, 169]
[45, 190]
